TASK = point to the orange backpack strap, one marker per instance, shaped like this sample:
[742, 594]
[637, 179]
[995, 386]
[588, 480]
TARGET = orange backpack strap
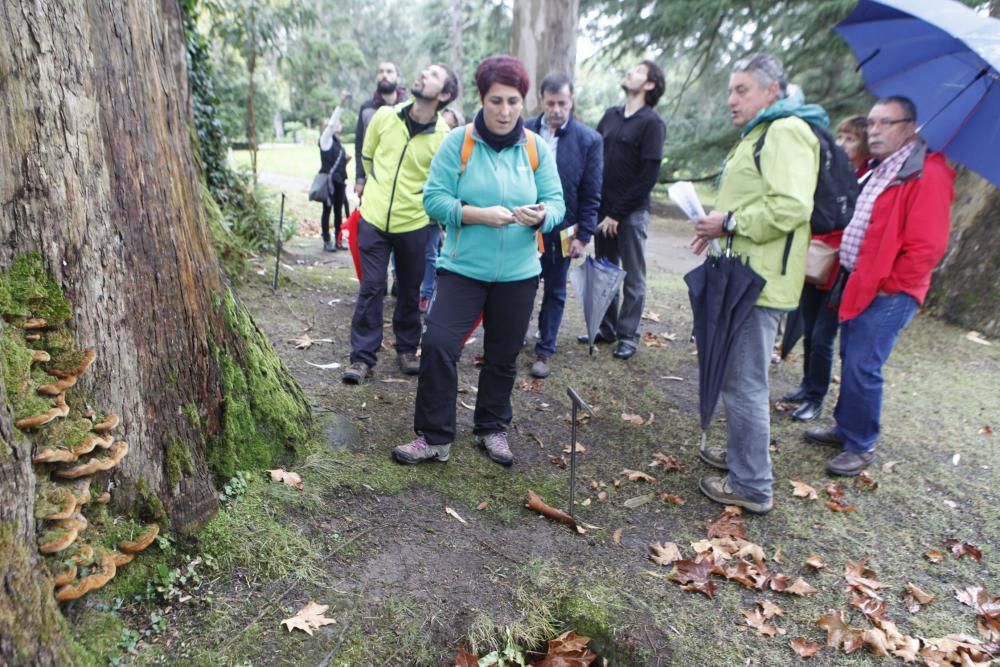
[532, 148]
[467, 145]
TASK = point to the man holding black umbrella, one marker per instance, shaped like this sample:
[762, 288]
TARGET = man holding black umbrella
[897, 236]
[764, 205]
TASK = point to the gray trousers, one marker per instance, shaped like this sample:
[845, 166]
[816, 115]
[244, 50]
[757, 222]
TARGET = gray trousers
[748, 412]
[628, 250]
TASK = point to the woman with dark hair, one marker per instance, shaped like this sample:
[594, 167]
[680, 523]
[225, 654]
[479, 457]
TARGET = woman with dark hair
[493, 186]
[819, 318]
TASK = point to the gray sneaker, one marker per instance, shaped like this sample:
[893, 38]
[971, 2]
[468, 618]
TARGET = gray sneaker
[418, 451]
[540, 369]
[713, 456]
[718, 489]
[356, 373]
[496, 447]
[408, 363]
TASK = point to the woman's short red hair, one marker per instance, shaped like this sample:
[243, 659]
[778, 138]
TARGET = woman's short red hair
[506, 70]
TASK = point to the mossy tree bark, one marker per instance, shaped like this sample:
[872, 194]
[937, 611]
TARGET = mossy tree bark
[97, 174]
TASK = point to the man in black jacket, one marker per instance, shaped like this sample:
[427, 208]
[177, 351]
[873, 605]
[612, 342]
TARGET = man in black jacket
[387, 92]
[633, 148]
[579, 158]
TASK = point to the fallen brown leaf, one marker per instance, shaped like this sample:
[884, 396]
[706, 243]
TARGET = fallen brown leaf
[985, 430]
[537, 504]
[302, 341]
[960, 548]
[568, 650]
[465, 659]
[533, 384]
[836, 627]
[914, 598]
[756, 620]
[727, 524]
[665, 553]
[483, 505]
[694, 575]
[637, 475]
[309, 618]
[769, 609]
[839, 506]
[803, 490]
[617, 536]
[864, 482]
[888, 466]
[637, 420]
[871, 607]
[580, 449]
[651, 316]
[804, 647]
[815, 562]
[649, 339]
[934, 555]
[450, 512]
[283, 476]
[800, 587]
[671, 498]
[667, 462]
[835, 490]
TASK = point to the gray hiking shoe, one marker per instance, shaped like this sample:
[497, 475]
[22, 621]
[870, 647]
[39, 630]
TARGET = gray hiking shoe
[418, 451]
[713, 456]
[718, 489]
[496, 447]
[356, 373]
[408, 363]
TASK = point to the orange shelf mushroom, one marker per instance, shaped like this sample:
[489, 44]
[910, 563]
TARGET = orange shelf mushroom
[89, 443]
[59, 409]
[39, 356]
[123, 559]
[91, 582]
[67, 507]
[141, 542]
[34, 323]
[65, 576]
[117, 453]
[76, 371]
[103, 499]
[63, 541]
[56, 388]
[109, 422]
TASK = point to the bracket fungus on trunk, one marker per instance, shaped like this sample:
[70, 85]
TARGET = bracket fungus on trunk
[59, 409]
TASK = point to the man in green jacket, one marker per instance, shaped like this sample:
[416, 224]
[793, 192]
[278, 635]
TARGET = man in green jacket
[399, 144]
[766, 211]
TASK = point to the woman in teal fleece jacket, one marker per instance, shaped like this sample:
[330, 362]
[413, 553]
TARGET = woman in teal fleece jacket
[492, 201]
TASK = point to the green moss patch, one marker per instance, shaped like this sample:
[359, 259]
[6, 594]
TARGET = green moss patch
[27, 290]
[178, 460]
[264, 413]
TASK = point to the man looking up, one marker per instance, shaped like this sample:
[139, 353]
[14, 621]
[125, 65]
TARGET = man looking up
[398, 148]
[387, 92]
[633, 148]
[765, 211]
[897, 236]
[580, 161]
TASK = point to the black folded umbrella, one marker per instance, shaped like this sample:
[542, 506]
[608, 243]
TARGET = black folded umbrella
[722, 292]
[793, 332]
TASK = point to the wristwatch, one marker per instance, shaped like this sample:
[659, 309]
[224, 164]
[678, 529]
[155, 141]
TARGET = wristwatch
[729, 223]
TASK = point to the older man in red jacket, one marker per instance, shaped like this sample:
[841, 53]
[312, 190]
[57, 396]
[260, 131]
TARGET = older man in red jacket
[897, 236]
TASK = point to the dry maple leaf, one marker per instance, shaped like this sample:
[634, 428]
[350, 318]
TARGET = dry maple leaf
[664, 554]
[694, 575]
[836, 627]
[580, 449]
[450, 512]
[568, 650]
[649, 339]
[465, 659]
[815, 562]
[637, 420]
[285, 477]
[668, 462]
[804, 647]
[914, 597]
[800, 587]
[756, 620]
[530, 385]
[557, 460]
[309, 618]
[671, 498]
[839, 506]
[302, 341]
[637, 475]
[834, 489]
[864, 482]
[727, 524]
[769, 609]
[617, 536]
[873, 608]
[888, 466]
[651, 316]
[934, 555]
[753, 550]
[960, 548]
[803, 490]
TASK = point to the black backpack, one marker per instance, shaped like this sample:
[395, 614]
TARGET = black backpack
[836, 184]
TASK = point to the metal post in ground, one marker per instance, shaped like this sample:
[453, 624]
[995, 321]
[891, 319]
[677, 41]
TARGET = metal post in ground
[277, 243]
[578, 402]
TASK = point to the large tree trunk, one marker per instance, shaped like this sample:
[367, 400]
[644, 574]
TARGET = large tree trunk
[97, 175]
[457, 57]
[544, 38]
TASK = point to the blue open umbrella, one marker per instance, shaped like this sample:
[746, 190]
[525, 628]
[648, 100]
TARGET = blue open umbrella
[946, 58]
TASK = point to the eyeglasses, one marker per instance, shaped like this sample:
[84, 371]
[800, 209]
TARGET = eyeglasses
[880, 123]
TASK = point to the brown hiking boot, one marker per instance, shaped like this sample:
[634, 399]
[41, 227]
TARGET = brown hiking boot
[356, 373]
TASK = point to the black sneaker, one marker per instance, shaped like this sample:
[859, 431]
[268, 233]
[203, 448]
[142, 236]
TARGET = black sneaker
[356, 373]
[408, 363]
[824, 436]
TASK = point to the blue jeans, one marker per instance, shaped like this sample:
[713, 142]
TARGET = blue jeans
[748, 411]
[431, 256]
[555, 267]
[819, 331]
[865, 345]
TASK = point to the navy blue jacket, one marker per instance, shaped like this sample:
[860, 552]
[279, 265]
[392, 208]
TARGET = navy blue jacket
[580, 160]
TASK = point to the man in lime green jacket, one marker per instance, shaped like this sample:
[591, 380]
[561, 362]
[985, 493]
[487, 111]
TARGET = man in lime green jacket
[399, 144]
[766, 211]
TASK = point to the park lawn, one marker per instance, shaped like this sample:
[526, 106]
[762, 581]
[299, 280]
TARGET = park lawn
[297, 160]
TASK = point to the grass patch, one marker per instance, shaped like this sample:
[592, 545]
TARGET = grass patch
[297, 160]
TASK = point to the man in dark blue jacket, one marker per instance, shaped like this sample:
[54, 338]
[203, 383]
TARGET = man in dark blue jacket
[580, 160]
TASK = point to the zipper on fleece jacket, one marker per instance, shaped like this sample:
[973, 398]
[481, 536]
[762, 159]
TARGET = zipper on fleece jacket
[392, 193]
